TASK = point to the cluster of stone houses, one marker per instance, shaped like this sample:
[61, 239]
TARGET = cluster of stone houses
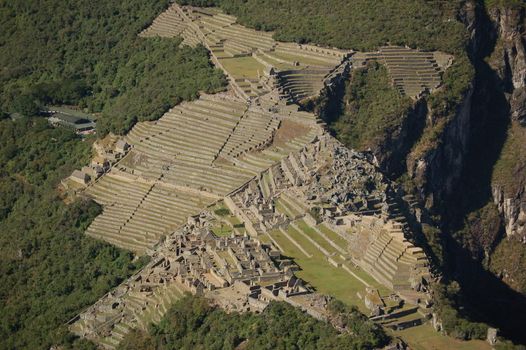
[193, 259]
[99, 164]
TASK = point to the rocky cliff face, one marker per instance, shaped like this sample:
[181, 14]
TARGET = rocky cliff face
[499, 40]
[392, 151]
[509, 61]
[513, 209]
[435, 172]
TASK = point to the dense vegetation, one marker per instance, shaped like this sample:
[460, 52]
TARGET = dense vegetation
[449, 301]
[373, 108]
[365, 25]
[358, 24]
[50, 270]
[88, 53]
[508, 258]
[193, 324]
[85, 53]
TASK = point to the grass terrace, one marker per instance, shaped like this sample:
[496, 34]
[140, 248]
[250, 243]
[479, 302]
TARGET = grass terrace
[424, 337]
[309, 231]
[222, 230]
[301, 59]
[243, 67]
[333, 236]
[324, 277]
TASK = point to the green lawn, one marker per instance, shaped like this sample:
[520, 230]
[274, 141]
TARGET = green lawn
[333, 236]
[265, 184]
[222, 230]
[282, 208]
[424, 337]
[288, 208]
[225, 221]
[304, 242]
[326, 278]
[301, 59]
[315, 236]
[243, 67]
[276, 63]
[294, 201]
[264, 239]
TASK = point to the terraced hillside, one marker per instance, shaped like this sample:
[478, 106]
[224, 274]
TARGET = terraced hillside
[280, 202]
[246, 55]
[285, 181]
[195, 154]
[411, 71]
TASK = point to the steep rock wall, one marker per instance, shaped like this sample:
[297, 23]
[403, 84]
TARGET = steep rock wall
[509, 23]
[509, 61]
[392, 151]
[435, 171]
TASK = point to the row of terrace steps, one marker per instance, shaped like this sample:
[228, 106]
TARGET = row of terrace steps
[251, 87]
[373, 206]
[259, 161]
[254, 131]
[219, 180]
[269, 59]
[300, 84]
[406, 317]
[266, 185]
[120, 200]
[306, 242]
[321, 241]
[180, 132]
[411, 71]
[297, 50]
[389, 261]
[168, 24]
[190, 37]
[235, 34]
[141, 309]
[216, 179]
[293, 207]
[395, 213]
[139, 213]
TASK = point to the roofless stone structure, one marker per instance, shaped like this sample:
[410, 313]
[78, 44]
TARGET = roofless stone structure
[282, 177]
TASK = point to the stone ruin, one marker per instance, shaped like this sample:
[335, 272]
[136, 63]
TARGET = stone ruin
[274, 166]
[237, 272]
[337, 194]
[108, 152]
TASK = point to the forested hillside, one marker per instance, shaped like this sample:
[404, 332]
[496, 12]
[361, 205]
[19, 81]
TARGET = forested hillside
[87, 53]
[50, 269]
[192, 323]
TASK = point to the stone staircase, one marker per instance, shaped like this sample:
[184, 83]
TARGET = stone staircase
[390, 259]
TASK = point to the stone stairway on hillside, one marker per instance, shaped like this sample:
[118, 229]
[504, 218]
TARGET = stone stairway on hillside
[391, 259]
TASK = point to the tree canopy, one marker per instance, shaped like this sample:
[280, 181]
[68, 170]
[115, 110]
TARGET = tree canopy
[50, 270]
[192, 323]
[88, 53]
